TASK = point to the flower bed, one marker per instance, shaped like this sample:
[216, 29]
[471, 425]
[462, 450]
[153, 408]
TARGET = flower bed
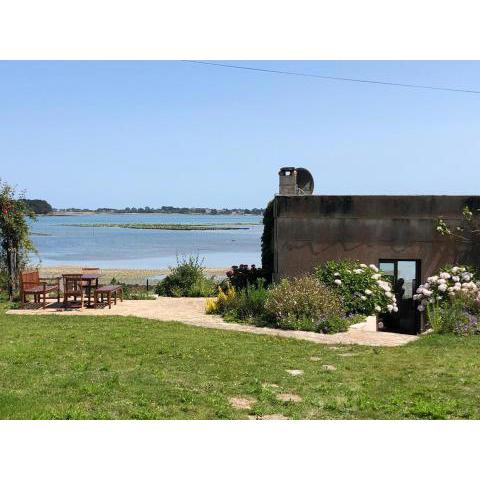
[302, 303]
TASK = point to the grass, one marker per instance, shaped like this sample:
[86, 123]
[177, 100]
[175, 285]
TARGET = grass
[54, 367]
[168, 226]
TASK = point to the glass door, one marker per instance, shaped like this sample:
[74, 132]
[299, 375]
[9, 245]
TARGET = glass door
[405, 277]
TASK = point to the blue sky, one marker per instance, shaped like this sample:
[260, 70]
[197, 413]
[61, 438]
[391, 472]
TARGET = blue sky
[116, 134]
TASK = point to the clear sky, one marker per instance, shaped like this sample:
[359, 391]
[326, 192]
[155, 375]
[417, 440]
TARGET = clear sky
[117, 134]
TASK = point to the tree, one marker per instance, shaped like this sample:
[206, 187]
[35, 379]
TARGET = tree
[15, 243]
[39, 207]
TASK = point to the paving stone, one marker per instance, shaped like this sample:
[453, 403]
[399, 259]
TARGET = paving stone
[348, 354]
[270, 385]
[274, 416]
[241, 403]
[315, 359]
[329, 367]
[295, 373]
[289, 397]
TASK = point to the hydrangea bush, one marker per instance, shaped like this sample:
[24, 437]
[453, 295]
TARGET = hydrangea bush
[451, 301]
[451, 282]
[363, 288]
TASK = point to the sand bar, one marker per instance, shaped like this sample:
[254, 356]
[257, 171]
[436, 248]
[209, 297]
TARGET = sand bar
[124, 275]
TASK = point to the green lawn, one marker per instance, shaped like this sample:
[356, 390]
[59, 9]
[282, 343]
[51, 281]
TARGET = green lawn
[117, 367]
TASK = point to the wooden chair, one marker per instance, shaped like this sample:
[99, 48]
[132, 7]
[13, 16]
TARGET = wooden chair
[72, 287]
[32, 284]
[87, 285]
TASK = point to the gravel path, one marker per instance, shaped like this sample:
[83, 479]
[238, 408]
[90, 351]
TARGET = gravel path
[191, 311]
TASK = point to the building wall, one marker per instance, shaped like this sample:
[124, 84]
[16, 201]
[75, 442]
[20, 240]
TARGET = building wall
[310, 230]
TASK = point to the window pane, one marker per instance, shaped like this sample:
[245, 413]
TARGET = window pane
[388, 268]
[407, 273]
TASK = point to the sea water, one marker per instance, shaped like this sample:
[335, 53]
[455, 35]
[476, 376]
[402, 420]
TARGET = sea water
[59, 242]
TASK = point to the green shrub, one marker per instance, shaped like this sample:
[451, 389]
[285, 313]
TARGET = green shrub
[336, 324]
[452, 317]
[247, 305]
[187, 279]
[443, 318]
[304, 304]
[341, 324]
[363, 288]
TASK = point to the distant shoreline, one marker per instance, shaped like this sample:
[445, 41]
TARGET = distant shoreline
[212, 212]
[124, 275]
[166, 226]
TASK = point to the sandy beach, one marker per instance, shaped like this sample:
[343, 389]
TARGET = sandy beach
[130, 276]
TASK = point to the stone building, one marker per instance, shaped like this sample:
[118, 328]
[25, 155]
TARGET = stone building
[396, 233]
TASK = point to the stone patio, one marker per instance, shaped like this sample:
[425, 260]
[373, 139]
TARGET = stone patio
[191, 311]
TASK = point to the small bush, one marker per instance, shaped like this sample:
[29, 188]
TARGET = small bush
[304, 304]
[336, 324]
[246, 305]
[242, 276]
[452, 317]
[446, 318]
[341, 324]
[220, 304]
[363, 288]
[187, 279]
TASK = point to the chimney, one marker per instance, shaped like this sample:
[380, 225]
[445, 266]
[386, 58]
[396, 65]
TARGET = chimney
[287, 181]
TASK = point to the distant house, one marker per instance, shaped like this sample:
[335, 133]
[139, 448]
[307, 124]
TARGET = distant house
[396, 233]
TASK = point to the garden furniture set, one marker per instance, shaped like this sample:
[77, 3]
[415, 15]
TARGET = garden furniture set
[82, 287]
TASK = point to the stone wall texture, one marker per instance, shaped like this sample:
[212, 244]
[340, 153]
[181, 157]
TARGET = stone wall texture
[310, 230]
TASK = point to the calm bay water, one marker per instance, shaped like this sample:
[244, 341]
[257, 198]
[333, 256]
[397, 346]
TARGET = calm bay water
[113, 247]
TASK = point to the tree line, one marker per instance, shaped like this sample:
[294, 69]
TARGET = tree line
[170, 209]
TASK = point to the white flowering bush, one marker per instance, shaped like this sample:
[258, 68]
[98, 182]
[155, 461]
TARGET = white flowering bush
[450, 283]
[363, 288]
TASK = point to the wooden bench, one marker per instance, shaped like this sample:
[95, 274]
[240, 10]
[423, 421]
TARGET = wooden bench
[32, 284]
[108, 290]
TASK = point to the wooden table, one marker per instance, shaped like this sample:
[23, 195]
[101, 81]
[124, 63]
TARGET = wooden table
[90, 278]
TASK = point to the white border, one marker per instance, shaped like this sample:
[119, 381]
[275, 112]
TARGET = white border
[250, 29]
[238, 449]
